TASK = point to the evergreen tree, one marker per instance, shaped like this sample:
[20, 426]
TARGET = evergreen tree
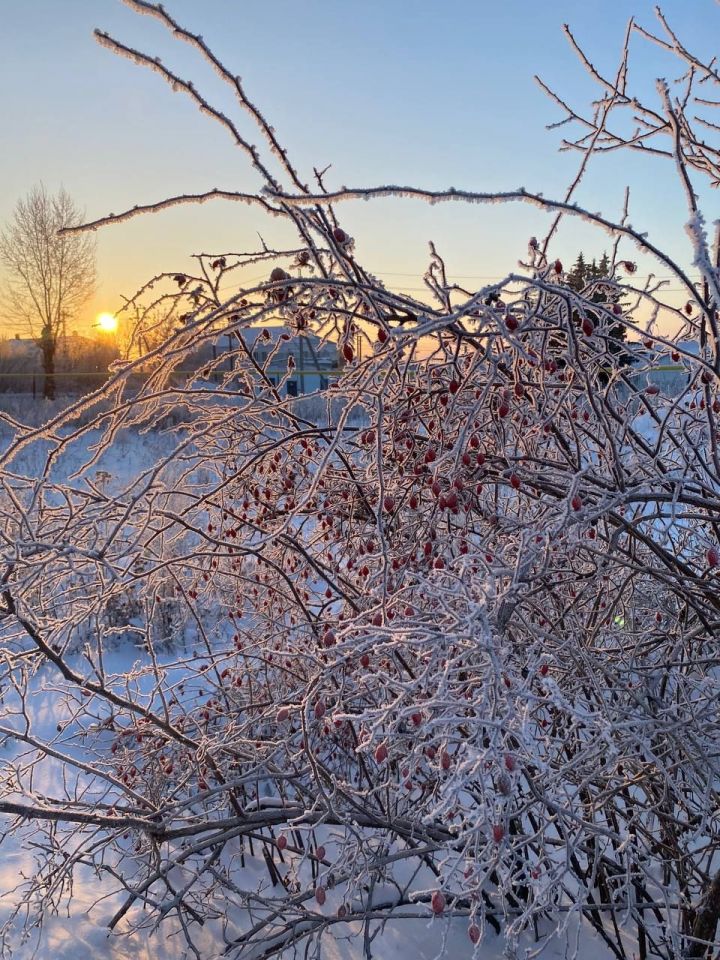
[583, 278]
[577, 275]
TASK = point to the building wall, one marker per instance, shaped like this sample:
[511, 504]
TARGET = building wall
[316, 363]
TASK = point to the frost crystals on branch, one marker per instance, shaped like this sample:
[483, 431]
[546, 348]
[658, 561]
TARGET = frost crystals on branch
[439, 642]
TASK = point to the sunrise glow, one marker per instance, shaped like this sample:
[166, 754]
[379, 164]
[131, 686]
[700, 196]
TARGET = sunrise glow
[106, 322]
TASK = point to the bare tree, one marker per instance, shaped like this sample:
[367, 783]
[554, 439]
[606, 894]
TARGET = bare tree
[51, 274]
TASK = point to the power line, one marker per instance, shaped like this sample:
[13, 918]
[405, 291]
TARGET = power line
[457, 276]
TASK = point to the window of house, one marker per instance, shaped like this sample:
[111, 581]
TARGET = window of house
[292, 388]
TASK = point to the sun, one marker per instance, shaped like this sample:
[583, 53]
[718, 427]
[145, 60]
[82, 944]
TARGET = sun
[106, 322]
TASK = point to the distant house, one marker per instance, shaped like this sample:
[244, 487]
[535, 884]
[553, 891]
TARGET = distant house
[665, 367]
[24, 350]
[73, 345]
[81, 364]
[20, 365]
[315, 362]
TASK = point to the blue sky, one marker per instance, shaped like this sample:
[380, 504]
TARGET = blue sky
[437, 94]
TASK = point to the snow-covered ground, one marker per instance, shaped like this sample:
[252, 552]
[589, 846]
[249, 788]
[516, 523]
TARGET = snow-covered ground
[80, 930]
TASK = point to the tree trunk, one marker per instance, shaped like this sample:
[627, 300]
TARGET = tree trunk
[706, 919]
[48, 352]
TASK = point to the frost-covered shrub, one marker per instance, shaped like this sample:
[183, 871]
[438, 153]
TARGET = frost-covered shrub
[449, 654]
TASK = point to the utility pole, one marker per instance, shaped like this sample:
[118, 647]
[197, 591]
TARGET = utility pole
[301, 358]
